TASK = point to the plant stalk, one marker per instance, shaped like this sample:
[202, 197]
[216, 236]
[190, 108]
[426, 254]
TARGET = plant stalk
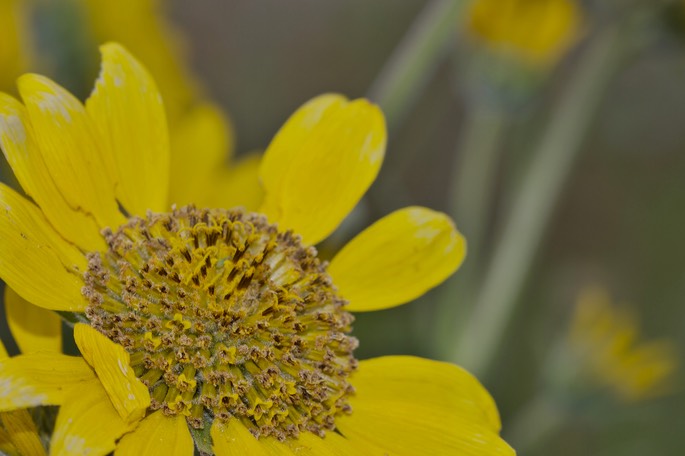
[533, 206]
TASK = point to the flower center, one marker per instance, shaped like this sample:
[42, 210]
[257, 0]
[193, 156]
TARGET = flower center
[224, 316]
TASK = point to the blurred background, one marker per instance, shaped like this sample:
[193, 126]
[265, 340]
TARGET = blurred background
[550, 130]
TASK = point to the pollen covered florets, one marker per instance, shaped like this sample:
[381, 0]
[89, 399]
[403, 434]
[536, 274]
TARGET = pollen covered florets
[225, 317]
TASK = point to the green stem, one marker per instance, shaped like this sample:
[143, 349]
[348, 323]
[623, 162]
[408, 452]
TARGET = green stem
[71, 318]
[540, 419]
[415, 59]
[532, 207]
[474, 175]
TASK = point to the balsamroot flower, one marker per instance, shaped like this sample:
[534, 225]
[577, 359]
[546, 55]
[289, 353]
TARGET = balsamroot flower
[216, 328]
[612, 354]
[537, 32]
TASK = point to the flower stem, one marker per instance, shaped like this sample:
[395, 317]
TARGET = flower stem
[71, 318]
[534, 204]
[539, 420]
[415, 59]
[475, 171]
[469, 205]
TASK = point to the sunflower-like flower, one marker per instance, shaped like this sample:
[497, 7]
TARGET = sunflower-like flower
[535, 31]
[218, 329]
[606, 340]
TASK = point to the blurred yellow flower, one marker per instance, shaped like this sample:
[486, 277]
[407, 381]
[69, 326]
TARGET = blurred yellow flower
[216, 328]
[608, 342]
[15, 52]
[536, 31]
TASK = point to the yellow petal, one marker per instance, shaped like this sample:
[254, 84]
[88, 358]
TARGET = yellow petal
[112, 364]
[274, 447]
[397, 259]
[237, 186]
[40, 379]
[73, 155]
[3, 351]
[409, 406]
[87, 423]
[331, 445]
[158, 434]
[22, 432]
[321, 163]
[6, 445]
[36, 262]
[23, 155]
[233, 439]
[33, 328]
[128, 112]
[200, 144]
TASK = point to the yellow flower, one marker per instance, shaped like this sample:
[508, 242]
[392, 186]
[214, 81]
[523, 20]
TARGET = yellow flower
[536, 31]
[218, 328]
[14, 50]
[607, 340]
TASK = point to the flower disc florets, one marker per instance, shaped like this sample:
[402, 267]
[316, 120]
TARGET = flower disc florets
[224, 316]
